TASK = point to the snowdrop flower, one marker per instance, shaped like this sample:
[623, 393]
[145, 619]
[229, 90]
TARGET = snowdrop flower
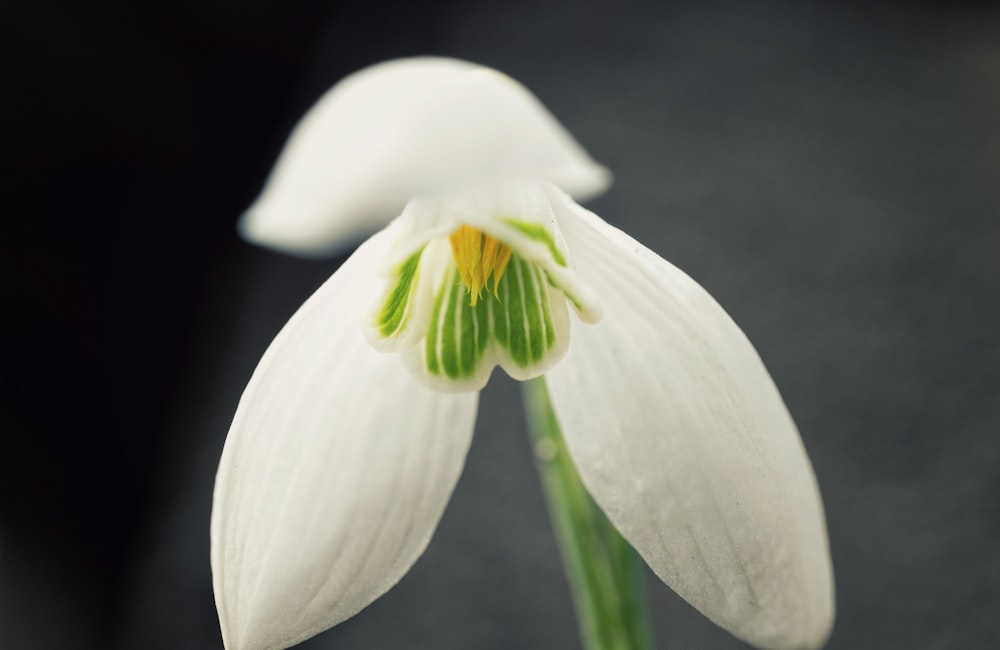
[353, 430]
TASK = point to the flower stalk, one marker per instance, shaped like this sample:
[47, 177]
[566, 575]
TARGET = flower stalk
[604, 572]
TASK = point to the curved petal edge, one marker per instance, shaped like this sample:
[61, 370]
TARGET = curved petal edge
[682, 438]
[334, 475]
[401, 129]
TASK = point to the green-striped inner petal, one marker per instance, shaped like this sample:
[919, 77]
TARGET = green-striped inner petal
[394, 311]
[458, 334]
[520, 323]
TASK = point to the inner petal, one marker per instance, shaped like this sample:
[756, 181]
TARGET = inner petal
[523, 328]
[433, 311]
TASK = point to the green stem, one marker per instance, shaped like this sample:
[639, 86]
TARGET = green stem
[605, 574]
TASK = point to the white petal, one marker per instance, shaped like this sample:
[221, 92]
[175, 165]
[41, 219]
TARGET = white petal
[335, 473]
[682, 438]
[402, 129]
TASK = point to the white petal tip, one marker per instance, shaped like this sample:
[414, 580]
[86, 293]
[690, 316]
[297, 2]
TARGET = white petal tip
[584, 181]
[808, 628]
[296, 233]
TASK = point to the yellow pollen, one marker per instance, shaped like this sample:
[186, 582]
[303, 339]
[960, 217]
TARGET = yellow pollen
[478, 256]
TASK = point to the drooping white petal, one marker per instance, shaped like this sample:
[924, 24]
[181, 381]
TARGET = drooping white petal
[335, 473]
[682, 438]
[407, 128]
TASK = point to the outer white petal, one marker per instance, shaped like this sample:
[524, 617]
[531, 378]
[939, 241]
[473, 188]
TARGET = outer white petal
[335, 473]
[682, 438]
[402, 129]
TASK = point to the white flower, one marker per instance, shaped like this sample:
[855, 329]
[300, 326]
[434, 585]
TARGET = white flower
[354, 428]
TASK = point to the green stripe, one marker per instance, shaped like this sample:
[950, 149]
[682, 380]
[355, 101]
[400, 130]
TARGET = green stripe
[539, 233]
[391, 317]
[501, 330]
[532, 308]
[519, 321]
[550, 332]
[467, 328]
[483, 320]
[449, 344]
[433, 361]
[517, 337]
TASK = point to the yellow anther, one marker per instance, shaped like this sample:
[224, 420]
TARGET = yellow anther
[466, 246]
[477, 256]
[503, 257]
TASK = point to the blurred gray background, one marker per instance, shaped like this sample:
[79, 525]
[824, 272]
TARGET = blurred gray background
[829, 172]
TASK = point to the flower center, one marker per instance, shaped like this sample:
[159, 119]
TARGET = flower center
[432, 311]
[478, 256]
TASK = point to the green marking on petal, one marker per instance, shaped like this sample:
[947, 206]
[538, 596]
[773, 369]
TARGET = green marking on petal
[468, 345]
[518, 320]
[501, 315]
[539, 277]
[483, 318]
[449, 340]
[538, 232]
[550, 330]
[459, 333]
[517, 323]
[433, 332]
[533, 310]
[394, 311]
